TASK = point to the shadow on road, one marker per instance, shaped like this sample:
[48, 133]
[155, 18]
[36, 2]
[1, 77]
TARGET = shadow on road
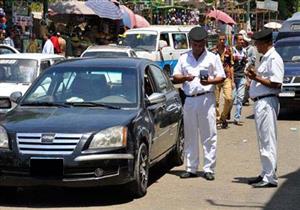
[287, 195]
[55, 197]
[179, 172]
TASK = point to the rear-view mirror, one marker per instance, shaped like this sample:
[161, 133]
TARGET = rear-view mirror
[16, 97]
[156, 98]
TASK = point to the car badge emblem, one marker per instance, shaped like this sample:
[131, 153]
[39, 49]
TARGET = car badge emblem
[47, 138]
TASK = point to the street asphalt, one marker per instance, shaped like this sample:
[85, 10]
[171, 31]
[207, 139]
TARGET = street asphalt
[237, 160]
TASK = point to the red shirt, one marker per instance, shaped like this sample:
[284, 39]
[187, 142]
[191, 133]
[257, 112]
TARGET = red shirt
[54, 40]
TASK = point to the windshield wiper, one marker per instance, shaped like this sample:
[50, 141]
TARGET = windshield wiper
[92, 104]
[42, 103]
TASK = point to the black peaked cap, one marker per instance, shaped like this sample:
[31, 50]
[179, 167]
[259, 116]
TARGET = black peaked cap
[265, 34]
[198, 33]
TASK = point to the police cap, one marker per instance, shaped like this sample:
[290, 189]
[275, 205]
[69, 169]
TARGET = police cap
[264, 35]
[198, 33]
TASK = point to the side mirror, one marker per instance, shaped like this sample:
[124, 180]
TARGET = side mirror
[16, 97]
[156, 98]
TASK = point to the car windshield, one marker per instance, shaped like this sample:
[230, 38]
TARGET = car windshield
[290, 52]
[105, 54]
[140, 42]
[91, 86]
[18, 70]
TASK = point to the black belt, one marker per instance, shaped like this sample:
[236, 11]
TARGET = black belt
[265, 96]
[198, 94]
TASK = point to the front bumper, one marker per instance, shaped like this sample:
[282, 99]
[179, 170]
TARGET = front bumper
[81, 171]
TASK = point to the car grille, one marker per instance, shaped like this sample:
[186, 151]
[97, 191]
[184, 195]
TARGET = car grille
[57, 144]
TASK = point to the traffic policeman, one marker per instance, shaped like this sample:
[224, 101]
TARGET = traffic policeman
[265, 86]
[199, 70]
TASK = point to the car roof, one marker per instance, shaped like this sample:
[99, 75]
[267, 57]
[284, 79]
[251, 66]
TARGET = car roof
[289, 39]
[104, 62]
[163, 28]
[117, 48]
[34, 56]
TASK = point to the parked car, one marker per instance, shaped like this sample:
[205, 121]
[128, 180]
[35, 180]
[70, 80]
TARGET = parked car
[98, 122]
[108, 51]
[289, 49]
[6, 49]
[17, 72]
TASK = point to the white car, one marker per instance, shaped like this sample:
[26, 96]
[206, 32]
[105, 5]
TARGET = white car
[108, 51]
[18, 71]
[6, 49]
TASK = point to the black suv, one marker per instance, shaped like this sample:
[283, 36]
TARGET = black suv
[89, 122]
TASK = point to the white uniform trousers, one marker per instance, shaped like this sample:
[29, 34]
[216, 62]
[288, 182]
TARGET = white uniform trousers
[266, 111]
[200, 124]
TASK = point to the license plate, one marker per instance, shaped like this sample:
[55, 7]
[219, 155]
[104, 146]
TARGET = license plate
[46, 167]
[287, 94]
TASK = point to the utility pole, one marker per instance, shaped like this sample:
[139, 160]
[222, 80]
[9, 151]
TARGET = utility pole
[248, 24]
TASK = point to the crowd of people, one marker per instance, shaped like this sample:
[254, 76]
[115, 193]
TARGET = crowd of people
[230, 68]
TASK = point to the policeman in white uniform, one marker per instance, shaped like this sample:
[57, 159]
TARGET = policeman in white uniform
[265, 86]
[199, 70]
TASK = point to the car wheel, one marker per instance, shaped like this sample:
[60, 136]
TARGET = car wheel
[139, 186]
[177, 155]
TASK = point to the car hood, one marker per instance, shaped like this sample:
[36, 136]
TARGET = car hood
[65, 120]
[291, 69]
[9, 88]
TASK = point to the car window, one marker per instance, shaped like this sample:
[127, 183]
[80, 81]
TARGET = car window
[4, 50]
[105, 54]
[87, 84]
[180, 41]
[159, 79]
[165, 37]
[18, 70]
[289, 51]
[45, 64]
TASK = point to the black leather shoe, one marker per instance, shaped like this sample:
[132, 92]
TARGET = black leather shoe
[188, 175]
[209, 176]
[256, 180]
[263, 184]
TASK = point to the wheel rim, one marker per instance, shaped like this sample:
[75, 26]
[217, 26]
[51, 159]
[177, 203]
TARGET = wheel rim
[144, 167]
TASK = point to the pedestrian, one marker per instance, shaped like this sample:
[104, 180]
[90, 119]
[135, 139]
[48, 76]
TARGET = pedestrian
[62, 44]
[199, 70]
[265, 86]
[251, 60]
[226, 56]
[240, 60]
[9, 38]
[48, 46]
[33, 45]
[54, 40]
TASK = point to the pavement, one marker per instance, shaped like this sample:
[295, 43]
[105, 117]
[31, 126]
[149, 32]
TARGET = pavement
[237, 160]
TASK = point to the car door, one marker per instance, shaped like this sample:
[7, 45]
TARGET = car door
[171, 110]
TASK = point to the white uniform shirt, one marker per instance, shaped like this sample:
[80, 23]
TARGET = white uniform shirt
[208, 61]
[271, 68]
[48, 47]
[9, 41]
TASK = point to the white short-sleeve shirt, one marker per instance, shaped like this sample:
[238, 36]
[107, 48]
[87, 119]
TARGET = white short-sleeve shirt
[271, 68]
[208, 61]
[48, 47]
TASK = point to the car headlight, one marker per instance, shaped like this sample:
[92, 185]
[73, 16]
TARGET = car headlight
[3, 138]
[111, 137]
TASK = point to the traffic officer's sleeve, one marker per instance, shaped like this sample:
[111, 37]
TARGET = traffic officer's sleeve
[178, 70]
[276, 70]
[219, 70]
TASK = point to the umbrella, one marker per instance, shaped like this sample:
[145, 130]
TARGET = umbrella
[222, 16]
[141, 22]
[70, 7]
[273, 25]
[128, 16]
[105, 9]
[69, 11]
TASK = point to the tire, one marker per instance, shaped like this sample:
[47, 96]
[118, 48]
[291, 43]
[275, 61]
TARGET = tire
[177, 155]
[138, 187]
